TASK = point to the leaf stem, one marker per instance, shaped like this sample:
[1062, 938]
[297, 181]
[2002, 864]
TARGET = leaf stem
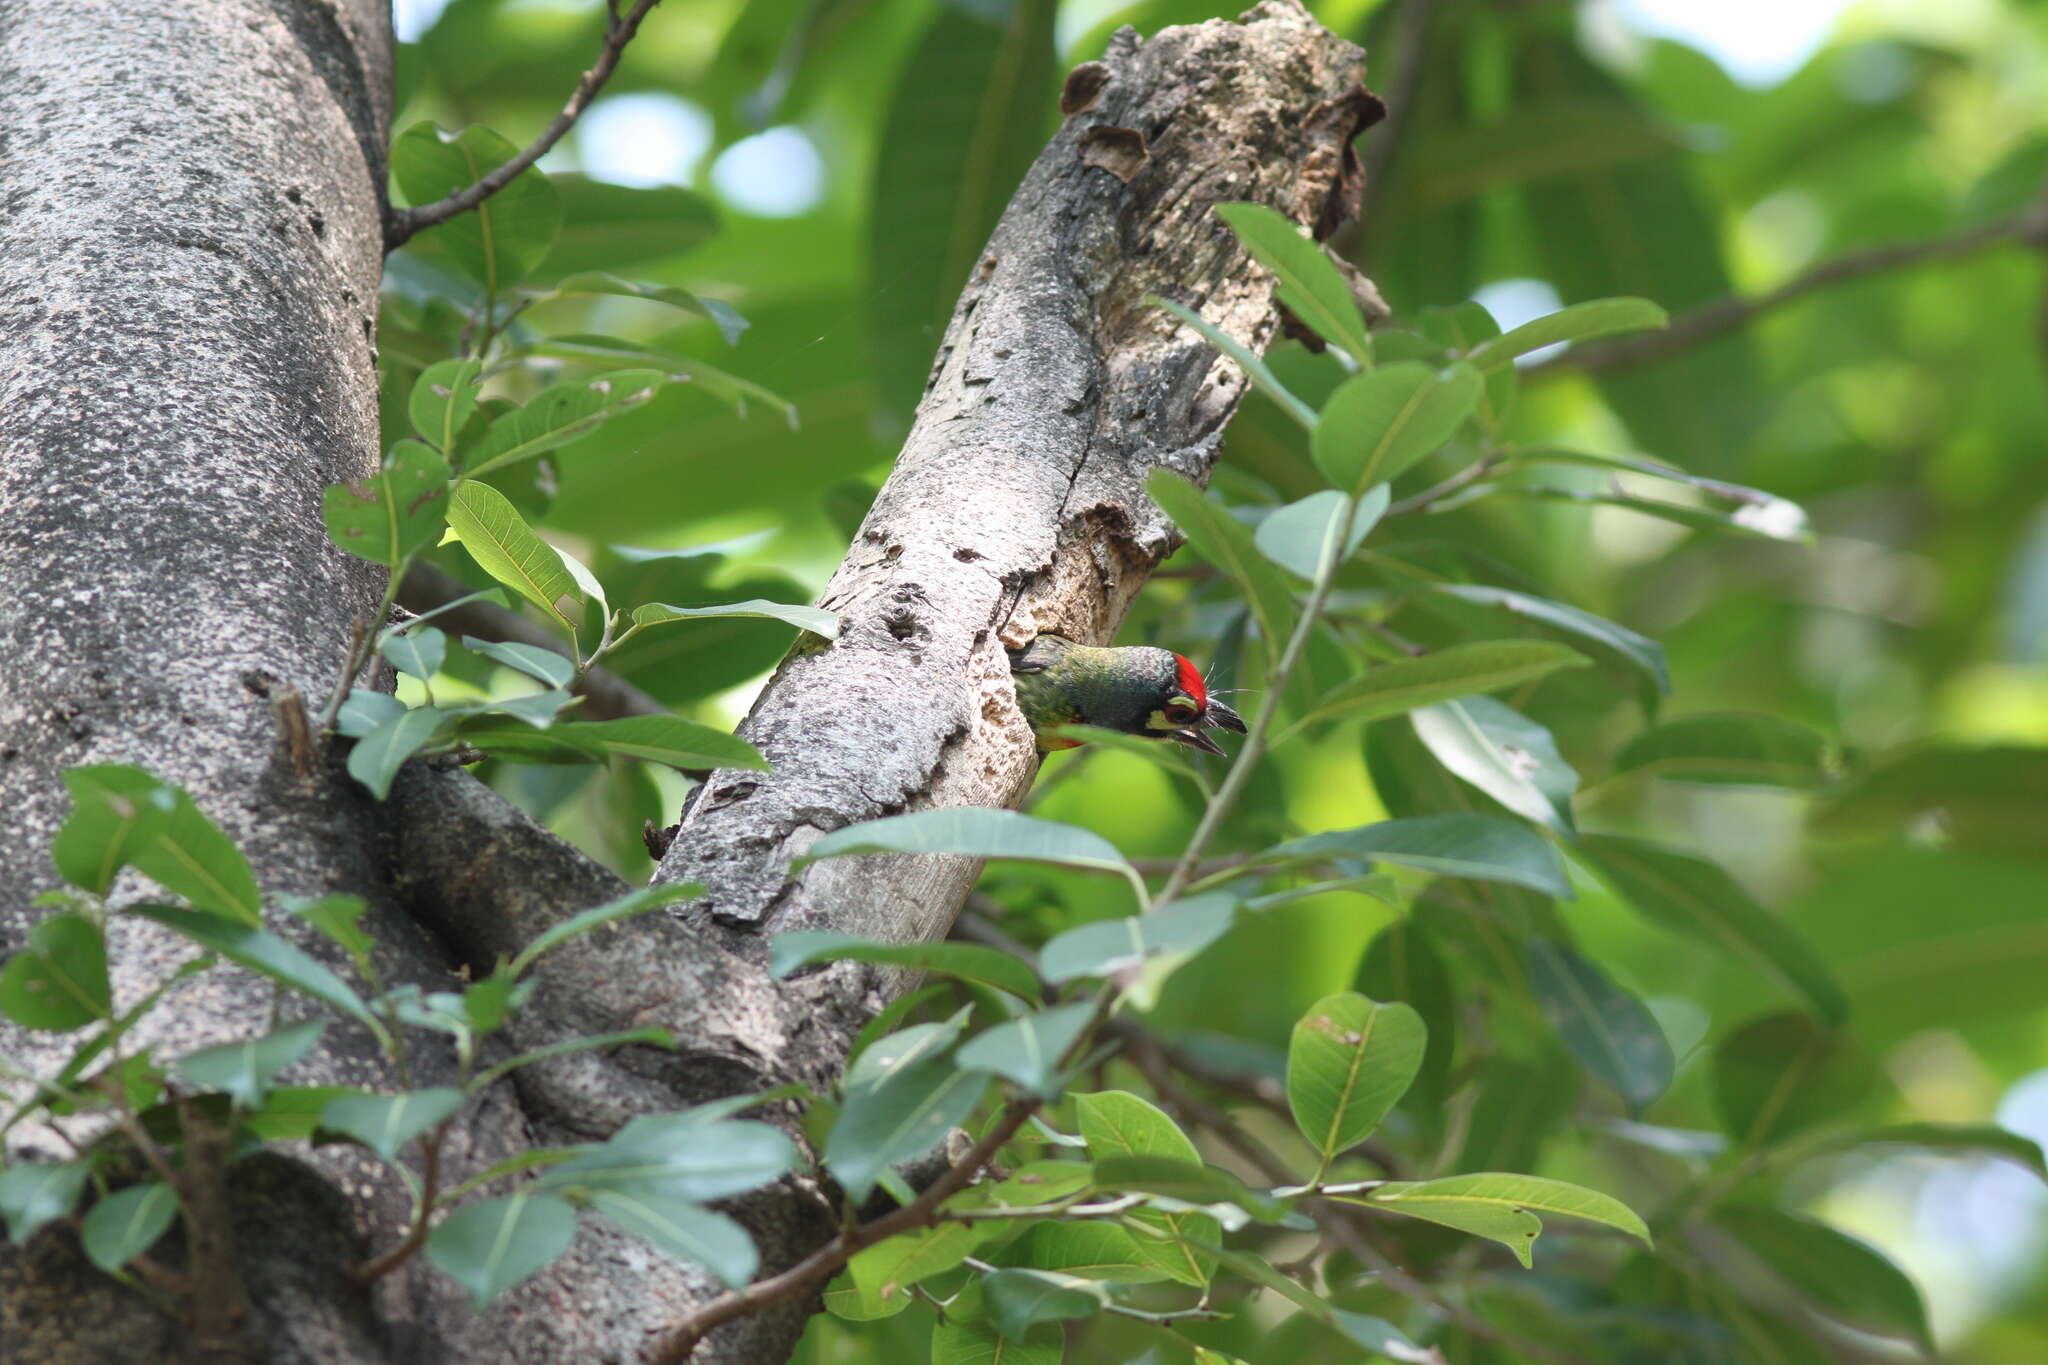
[1254, 746]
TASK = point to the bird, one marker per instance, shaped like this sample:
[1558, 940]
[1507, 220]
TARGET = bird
[1133, 689]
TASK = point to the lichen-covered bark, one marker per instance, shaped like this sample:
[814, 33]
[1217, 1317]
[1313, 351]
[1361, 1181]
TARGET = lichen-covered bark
[1017, 504]
[189, 261]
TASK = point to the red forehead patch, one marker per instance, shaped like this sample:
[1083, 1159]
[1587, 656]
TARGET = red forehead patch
[1190, 679]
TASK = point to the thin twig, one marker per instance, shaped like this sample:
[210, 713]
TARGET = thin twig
[1470, 474]
[416, 1236]
[403, 223]
[677, 1345]
[1254, 746]
[2029, 225]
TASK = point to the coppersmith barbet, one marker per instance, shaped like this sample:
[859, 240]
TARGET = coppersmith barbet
[1135, 690]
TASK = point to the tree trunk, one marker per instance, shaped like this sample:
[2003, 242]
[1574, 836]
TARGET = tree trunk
[190, 209]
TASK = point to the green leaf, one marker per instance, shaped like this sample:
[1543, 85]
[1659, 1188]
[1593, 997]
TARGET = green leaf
[419, 653]
[680, 1156]
[1228, 544]
[683, 1231]
[526, 744]
[816, 620]
[730, 323]
[957, 1341]
[1730, 748]
[667, 365]
[243, 1070]
[877, 1281]
[1504, 754]
[339, 918]
[183, 851]
[443, 400]
[1779, 520]
[1404, 685]
[1118, 1123]
[1579, 322]
[535, 662]
[974, 832]
[1502, 1207]
[902, 1117]
[1378, 425]
[396, 513]
[583, 921]
[503, 239]
[1694, 897]
[1757, 512]
[491, 1246]
[609, 227]
[267, 955]
[538, 710]
[1028, 1050]
[1846, 1279]
[506, 548]
[365, 710]
[1091, 1248]
[1640, 652]
[1019, 1300]
[556, 416]
[115, 810]
[1115, 947]
[33, 1193]
[1610, 1031]
[1297, 536]
[1255, 369]
[377, 756]
[968, 961]
[1460, 844]
[960, 138]
[670, 740]
[58, 981]
[1188, 1182]
[1987, 799]
[1951, 1139]
[385, 1123]
[1311, 286]
[127, 1223]
[1350, 1061]
[1782, 1073]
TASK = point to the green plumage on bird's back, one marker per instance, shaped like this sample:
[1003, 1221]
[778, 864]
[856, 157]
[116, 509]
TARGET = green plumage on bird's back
[1135, 690]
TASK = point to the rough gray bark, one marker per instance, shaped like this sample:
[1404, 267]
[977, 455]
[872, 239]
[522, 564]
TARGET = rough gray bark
[189, 262]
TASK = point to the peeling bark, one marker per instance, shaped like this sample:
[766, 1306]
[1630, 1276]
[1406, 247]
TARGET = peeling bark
[189, 260]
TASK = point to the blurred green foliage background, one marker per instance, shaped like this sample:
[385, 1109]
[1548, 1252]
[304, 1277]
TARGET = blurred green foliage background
[830, 167]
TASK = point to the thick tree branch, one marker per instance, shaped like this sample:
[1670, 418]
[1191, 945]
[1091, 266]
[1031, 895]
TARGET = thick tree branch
[401, 224]
[2029, 226]
[606, 695]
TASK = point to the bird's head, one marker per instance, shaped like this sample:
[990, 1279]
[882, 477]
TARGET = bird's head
[1135, 690]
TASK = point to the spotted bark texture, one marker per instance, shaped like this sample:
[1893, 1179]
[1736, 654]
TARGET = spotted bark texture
[190, 250]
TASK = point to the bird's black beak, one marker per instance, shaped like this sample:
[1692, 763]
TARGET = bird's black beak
[1195, 739]
[1216, 713]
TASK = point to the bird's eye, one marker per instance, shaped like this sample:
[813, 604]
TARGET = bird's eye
[1180, 712]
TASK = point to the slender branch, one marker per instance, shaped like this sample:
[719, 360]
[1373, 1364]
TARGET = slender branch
[1470, 474]
[1254, 746]
[377, 1267]
[403, 223]
[2029, 226]
[677, 1346]
[607, 696]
